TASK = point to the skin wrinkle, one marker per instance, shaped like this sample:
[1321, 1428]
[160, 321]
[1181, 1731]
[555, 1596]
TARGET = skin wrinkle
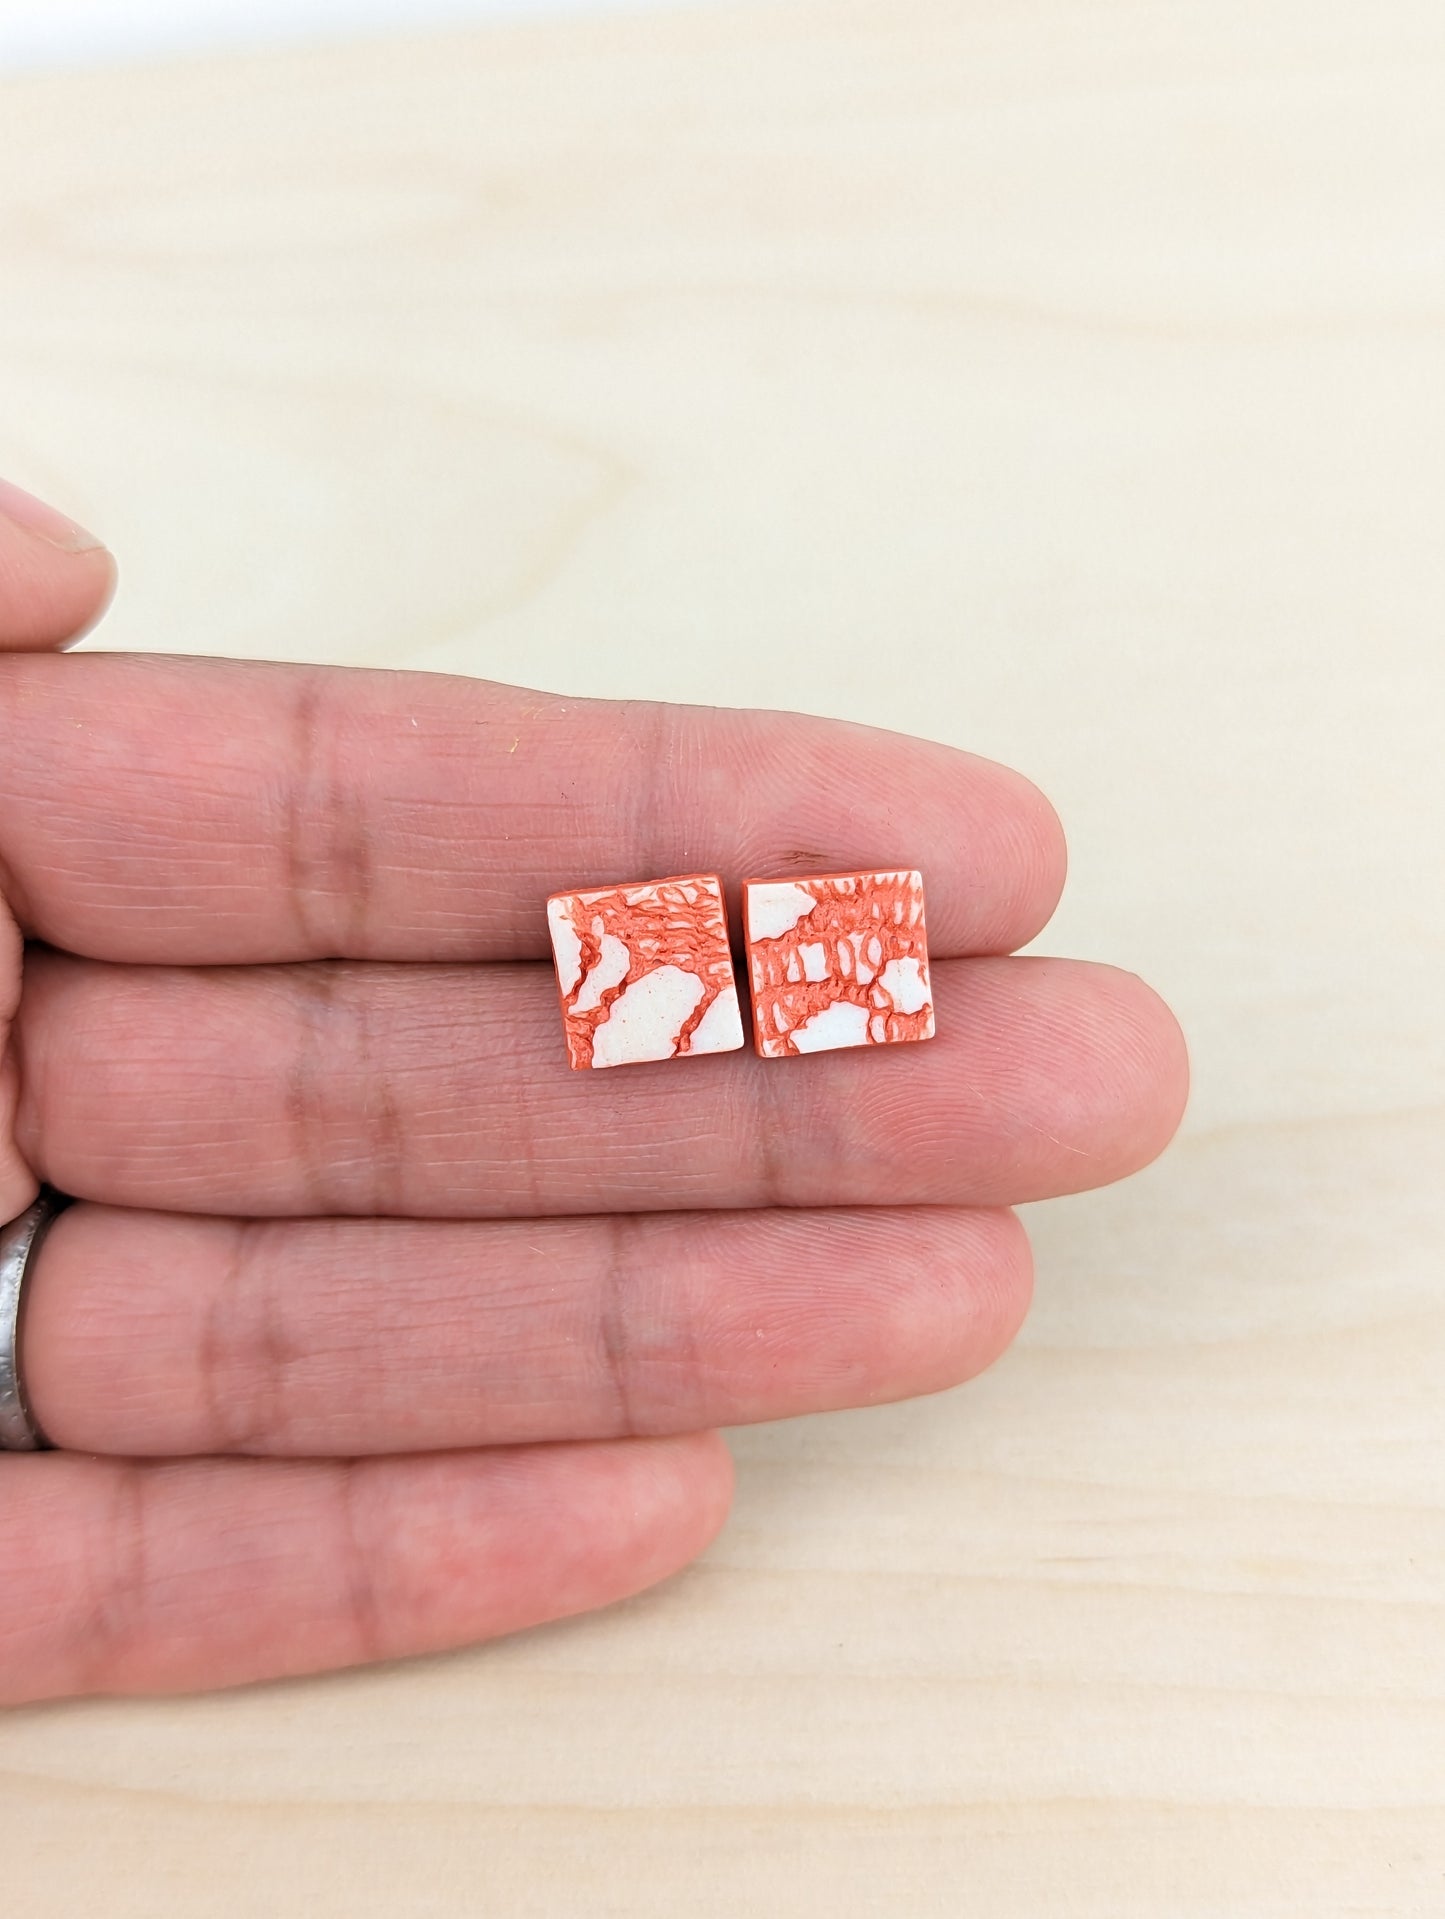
[530, 1128]
[363, 1608]
[327, 834]
[772, 1137]
[641, 1364]
[613, 1330]
[258, 1366]
[303, 1100]
[654, 811]
[336, 1022]
[385, 1134]
[214, 1349]
[305, 698]
[113, 1620]
[677, 772]
[685, 1361]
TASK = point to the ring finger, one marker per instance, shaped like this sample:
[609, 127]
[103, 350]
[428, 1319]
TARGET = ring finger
[153, 1333]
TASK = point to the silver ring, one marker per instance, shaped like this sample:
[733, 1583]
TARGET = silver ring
[19, 1242]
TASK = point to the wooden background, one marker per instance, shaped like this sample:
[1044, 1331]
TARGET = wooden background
[1081, 364]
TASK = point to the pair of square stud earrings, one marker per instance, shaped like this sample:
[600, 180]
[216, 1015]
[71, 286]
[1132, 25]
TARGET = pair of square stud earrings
[645, 972]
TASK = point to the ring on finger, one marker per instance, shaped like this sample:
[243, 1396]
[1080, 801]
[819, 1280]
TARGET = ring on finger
[19, 1243]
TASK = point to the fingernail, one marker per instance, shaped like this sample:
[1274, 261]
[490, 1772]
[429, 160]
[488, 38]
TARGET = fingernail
[24, 510]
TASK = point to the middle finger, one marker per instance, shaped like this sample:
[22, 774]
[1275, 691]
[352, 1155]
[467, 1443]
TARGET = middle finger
[442, 1091]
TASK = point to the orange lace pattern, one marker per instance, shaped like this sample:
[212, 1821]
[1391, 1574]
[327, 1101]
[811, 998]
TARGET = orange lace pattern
[862, 945]
[673, 922]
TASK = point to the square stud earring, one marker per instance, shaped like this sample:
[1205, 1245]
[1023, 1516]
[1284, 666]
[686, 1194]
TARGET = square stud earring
[837, 959]
[644, 971]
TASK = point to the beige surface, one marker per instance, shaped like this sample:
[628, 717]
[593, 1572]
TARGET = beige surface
[1063, 380]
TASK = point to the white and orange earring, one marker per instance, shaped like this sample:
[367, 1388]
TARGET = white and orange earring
[645, 972]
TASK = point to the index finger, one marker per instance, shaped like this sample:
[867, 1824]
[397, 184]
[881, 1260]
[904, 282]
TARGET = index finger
[221, 812]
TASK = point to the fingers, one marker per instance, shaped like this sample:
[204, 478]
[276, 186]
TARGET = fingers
[151, 1333]
[445, 1092]
[215, 812]
[123, 1577]
[55, 578]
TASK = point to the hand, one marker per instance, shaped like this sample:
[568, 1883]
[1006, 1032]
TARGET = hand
[377, 1329]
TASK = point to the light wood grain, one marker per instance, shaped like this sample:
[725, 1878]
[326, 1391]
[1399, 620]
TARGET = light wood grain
[1082, 364]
